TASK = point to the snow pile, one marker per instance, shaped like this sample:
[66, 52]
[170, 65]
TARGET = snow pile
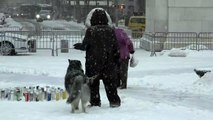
[176, 52]
[12, 25]
[184, 51]
[52, 24]
[60, 25]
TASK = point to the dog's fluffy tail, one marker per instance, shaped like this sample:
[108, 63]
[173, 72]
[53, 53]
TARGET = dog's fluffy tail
[75, 89]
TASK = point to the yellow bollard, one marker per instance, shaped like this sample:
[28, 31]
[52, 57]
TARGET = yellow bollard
[64, 95]
[57, 98]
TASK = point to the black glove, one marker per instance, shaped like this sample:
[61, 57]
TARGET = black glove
[131, 52]
[78, 46]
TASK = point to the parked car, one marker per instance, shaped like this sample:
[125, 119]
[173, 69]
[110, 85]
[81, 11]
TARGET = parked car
[15, 14]
[137, 23]
[44, 15]
[11, 44]
[24, 15]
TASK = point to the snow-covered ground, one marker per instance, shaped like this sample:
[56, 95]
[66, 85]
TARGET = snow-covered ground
[159, 88]
[30, 24]
[62, 25]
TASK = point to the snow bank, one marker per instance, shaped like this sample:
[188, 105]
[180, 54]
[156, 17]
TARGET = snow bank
[11, 25]
[176, 52]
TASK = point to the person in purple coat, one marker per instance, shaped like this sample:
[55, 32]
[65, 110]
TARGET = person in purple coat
[125, 48]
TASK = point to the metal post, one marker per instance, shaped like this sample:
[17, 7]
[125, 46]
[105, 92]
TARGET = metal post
[107, 5]
[197, 45]
[53, 41]
[116, 13]
[153, 45]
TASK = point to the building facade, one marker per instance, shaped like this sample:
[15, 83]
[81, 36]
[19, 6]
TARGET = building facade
[179, 15]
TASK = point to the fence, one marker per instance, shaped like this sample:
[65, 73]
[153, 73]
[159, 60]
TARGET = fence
[205, 40]
[45, 40]
[56, 40]
[62, 41]
[159, 41]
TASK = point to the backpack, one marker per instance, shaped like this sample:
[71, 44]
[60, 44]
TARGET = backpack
[124, 43]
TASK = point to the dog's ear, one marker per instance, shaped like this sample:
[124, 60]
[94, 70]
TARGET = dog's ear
[79, 64]
[69, 60]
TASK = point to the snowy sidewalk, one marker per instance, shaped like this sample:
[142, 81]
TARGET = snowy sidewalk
[160, 87]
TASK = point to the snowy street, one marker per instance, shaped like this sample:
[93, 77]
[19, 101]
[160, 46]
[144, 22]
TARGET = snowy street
[160, 87]
[32, 25]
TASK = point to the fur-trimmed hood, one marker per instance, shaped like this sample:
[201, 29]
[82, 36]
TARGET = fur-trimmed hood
[98, 16]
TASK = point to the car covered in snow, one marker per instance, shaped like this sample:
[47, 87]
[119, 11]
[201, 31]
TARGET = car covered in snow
[11, 44]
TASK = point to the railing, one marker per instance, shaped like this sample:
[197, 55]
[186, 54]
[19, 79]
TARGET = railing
[57, 40]
[62, 41]
[45, 40]
[156, 42]
[205, 40]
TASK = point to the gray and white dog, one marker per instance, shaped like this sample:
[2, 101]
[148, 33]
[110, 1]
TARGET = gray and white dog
[77, 86]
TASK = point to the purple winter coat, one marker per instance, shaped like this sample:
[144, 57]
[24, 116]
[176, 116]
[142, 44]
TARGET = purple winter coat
[124, 43]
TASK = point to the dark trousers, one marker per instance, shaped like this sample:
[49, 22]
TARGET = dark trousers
[110, 84]
[123, 73]
[111, 92]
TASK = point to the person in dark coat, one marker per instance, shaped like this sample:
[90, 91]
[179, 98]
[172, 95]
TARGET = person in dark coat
[102, 57]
